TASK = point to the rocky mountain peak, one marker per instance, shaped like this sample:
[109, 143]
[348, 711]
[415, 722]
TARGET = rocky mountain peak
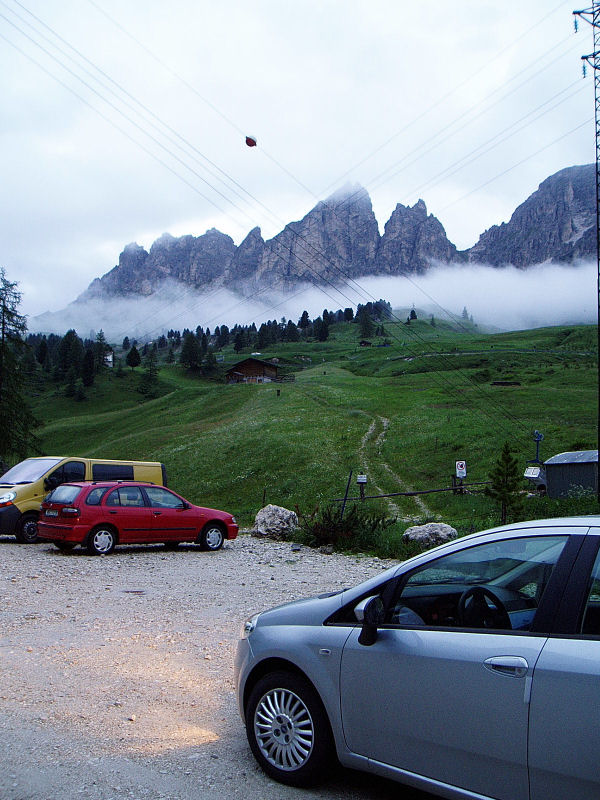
[339, 239]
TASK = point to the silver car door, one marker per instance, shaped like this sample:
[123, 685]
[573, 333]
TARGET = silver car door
[565, 699]
[444, 690]
[448, 705]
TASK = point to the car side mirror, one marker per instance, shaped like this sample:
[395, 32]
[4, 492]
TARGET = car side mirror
[371, 613]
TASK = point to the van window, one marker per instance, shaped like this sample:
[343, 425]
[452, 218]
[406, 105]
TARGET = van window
[64, 494]
[112, 472]
[71, 471]
[29, 470]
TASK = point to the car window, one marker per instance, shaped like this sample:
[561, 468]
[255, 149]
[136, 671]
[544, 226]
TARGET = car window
[94, 498]
[497, 585]
[64, 494]
[163, 498]
[591, 617]
[126, 496]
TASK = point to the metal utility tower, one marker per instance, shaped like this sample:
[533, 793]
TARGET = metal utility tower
[592, 15]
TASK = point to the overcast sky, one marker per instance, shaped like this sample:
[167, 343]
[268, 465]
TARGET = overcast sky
[468, 105]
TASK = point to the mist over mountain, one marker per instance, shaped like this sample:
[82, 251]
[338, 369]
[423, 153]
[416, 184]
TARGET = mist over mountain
[186, 281]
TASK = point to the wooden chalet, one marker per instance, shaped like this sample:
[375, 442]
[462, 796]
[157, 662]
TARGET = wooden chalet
[252, 370]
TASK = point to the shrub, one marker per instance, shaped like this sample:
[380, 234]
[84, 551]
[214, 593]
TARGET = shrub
[360, 530]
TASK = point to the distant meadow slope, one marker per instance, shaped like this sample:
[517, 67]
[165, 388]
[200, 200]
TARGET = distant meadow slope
[403, 412]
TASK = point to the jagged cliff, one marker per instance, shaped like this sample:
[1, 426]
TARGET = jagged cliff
[339, 239]
[556, 223]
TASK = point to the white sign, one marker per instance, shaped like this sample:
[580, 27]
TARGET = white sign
[361, 478]
[532, 472]
[461, 469]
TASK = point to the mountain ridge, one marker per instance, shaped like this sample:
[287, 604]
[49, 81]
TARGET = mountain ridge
[339, 239]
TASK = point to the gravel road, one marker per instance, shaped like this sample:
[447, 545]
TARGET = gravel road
[116, 672]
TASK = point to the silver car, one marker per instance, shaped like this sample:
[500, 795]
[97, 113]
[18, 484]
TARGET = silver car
[470, 671]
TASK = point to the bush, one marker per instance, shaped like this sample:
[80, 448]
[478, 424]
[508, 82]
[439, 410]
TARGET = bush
[360, 530]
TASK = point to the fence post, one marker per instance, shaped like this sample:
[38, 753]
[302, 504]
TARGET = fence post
[345, 496]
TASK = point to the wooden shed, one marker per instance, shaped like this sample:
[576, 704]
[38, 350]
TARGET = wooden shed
[252, 370]
[569, 472]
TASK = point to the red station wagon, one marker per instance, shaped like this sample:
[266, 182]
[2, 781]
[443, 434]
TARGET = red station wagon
[100, 515]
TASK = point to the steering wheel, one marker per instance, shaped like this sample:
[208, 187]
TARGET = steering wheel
[479, 607]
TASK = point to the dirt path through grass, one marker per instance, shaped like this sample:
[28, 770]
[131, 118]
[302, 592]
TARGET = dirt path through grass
[372, 442]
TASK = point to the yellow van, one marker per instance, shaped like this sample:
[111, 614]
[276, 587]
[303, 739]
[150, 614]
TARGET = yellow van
[23, 488]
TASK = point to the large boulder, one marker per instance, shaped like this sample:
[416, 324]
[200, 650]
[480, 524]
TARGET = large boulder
[431, 534]
[275, 522]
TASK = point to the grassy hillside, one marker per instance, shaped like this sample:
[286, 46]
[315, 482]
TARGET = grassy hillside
[402, 413]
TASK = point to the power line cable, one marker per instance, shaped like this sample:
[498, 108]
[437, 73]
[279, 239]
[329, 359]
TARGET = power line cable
[435, 106]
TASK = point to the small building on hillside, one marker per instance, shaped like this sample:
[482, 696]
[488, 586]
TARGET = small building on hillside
[252, 370]
[569, 472]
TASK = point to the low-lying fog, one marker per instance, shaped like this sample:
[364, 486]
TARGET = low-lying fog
[507, 298]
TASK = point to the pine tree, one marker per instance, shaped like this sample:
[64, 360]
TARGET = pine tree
[133, 358]
[365, 323]
[149, 380]
[304, 320]
[88, 367]
[190, 356]
[101, 347]
[70, 353]
[17, 423]
[505, 485]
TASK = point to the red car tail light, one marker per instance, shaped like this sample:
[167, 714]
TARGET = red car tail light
[69, 511]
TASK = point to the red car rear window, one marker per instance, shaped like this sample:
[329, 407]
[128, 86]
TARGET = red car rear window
[64, 494]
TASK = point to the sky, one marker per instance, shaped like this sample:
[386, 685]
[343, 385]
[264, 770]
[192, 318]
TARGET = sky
[123, 119]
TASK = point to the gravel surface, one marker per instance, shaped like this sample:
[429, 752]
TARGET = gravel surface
[116, 672]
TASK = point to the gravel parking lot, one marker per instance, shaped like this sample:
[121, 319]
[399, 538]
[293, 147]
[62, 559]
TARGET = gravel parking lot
[117, 671]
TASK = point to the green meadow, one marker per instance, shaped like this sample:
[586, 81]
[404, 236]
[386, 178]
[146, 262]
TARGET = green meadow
[402, 411]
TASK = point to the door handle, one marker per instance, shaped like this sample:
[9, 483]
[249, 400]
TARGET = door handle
[157, 513]
[512, 666]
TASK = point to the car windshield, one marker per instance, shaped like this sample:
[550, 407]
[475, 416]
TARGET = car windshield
[29, 470]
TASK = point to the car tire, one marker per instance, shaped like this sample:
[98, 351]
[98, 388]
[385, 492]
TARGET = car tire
[101, 541]
[288, 730]
[64, 547]
[212, 537]
[27, 531]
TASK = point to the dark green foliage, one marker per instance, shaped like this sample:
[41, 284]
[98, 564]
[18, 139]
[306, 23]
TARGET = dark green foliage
[304, 320]
[149, 380]
[70, 354]
[41, 353]
[101, 348]
[210, 366]
[320, 330]
[506, 483]
[17, 423]
[88, 367]
[365, 322]
[291, 332]
[133, 358]
[359, 530]
[190, 356]
[79, 394]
